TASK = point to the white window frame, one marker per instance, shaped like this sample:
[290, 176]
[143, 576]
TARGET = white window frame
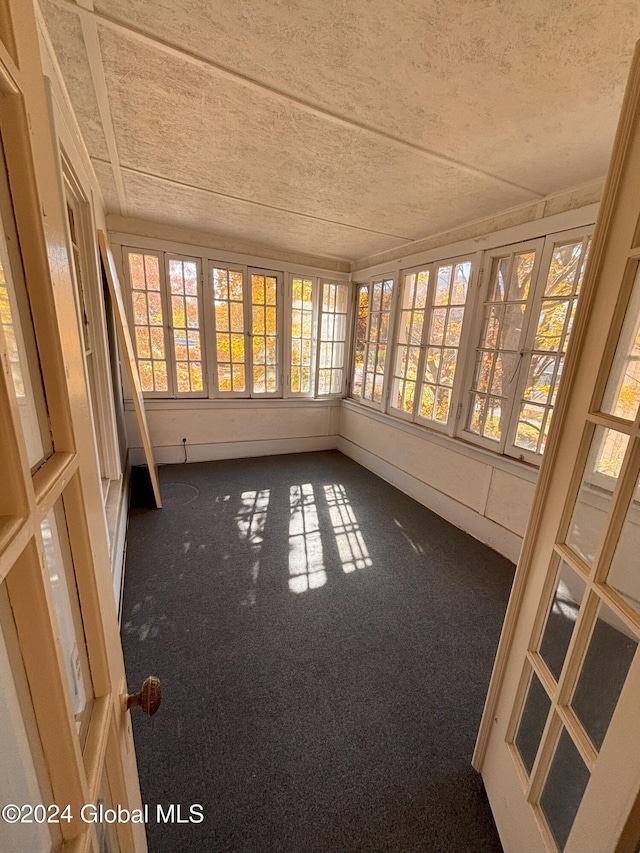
[432, 267]
[536, 245]
[280, 331]
[247, 305]
[392, 277]
[159, 254]
[287, 326]
[347, 337]
[167, 320]
[543, 246]
[174, 256]
[551, 241]
[212, 350]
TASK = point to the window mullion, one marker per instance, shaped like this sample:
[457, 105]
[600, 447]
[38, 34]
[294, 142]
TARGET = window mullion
[426, 321]
[168, 324]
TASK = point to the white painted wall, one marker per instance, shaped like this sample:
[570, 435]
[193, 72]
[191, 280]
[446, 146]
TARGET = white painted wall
[228, 429]
[484, 494]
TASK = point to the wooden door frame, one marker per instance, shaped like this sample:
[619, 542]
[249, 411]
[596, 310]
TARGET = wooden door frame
[615, 243]
[70, 473]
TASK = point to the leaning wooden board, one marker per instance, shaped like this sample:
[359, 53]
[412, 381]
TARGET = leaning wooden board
[124, 339]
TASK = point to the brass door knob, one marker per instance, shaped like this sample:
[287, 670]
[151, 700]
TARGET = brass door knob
[148, 698]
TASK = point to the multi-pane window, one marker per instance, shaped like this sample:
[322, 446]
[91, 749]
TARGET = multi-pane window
[245, 319]
[362, 316]
[246, 338]
[302, 313]
[332, 337]
[229, 330]
[430, 325]
[167, 326]
[415, 288]
[501, 339]
[185, 316]
[527, 317]
[372, 337]
[19, 339]
[450, 287]
[148, 321]
[264, 332]
[552, 331]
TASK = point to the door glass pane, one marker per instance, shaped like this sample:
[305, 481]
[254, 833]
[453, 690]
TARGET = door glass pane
[19, 342]
[62, 579]
[106, 828]
[532, 722]
[598, 483]
[609, 655]
[562, 616]
[624, 575]
[622, 394]
[564, 788]
[18, 777]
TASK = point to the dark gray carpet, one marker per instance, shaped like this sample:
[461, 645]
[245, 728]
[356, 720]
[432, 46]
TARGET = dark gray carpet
[333, 712]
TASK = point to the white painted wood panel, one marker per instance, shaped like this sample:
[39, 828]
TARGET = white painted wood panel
[509, 501]
[463, 479]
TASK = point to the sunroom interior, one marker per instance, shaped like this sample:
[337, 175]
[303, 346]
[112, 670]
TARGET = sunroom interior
[221, 155]
[354, 227]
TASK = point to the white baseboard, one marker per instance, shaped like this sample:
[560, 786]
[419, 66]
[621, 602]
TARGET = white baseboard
[494, 535]
[235, 449]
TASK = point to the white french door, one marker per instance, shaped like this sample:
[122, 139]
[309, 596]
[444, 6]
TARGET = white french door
[65, 733]
[559, 743]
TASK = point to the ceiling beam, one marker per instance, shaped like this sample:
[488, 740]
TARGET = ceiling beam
[89, 27]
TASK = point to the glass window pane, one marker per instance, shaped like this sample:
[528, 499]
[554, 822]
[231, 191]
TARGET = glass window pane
[565, 786]
[63, 588]
[563, 612]
[148, 321]
[301, 335]
[228, 311]
[20, 344]
[501, 338]
[361, 335]
[333, 331]
[264, 331]
[376, 338]
[445, 330]
[594, 498]
[183, 278]
[532, 722]
[622, 394]
[623, 575]
[604, 670]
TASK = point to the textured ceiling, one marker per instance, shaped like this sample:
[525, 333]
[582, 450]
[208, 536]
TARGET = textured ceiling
[341, 127]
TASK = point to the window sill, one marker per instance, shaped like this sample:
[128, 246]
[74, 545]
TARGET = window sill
[168, 403]
[523, 470]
